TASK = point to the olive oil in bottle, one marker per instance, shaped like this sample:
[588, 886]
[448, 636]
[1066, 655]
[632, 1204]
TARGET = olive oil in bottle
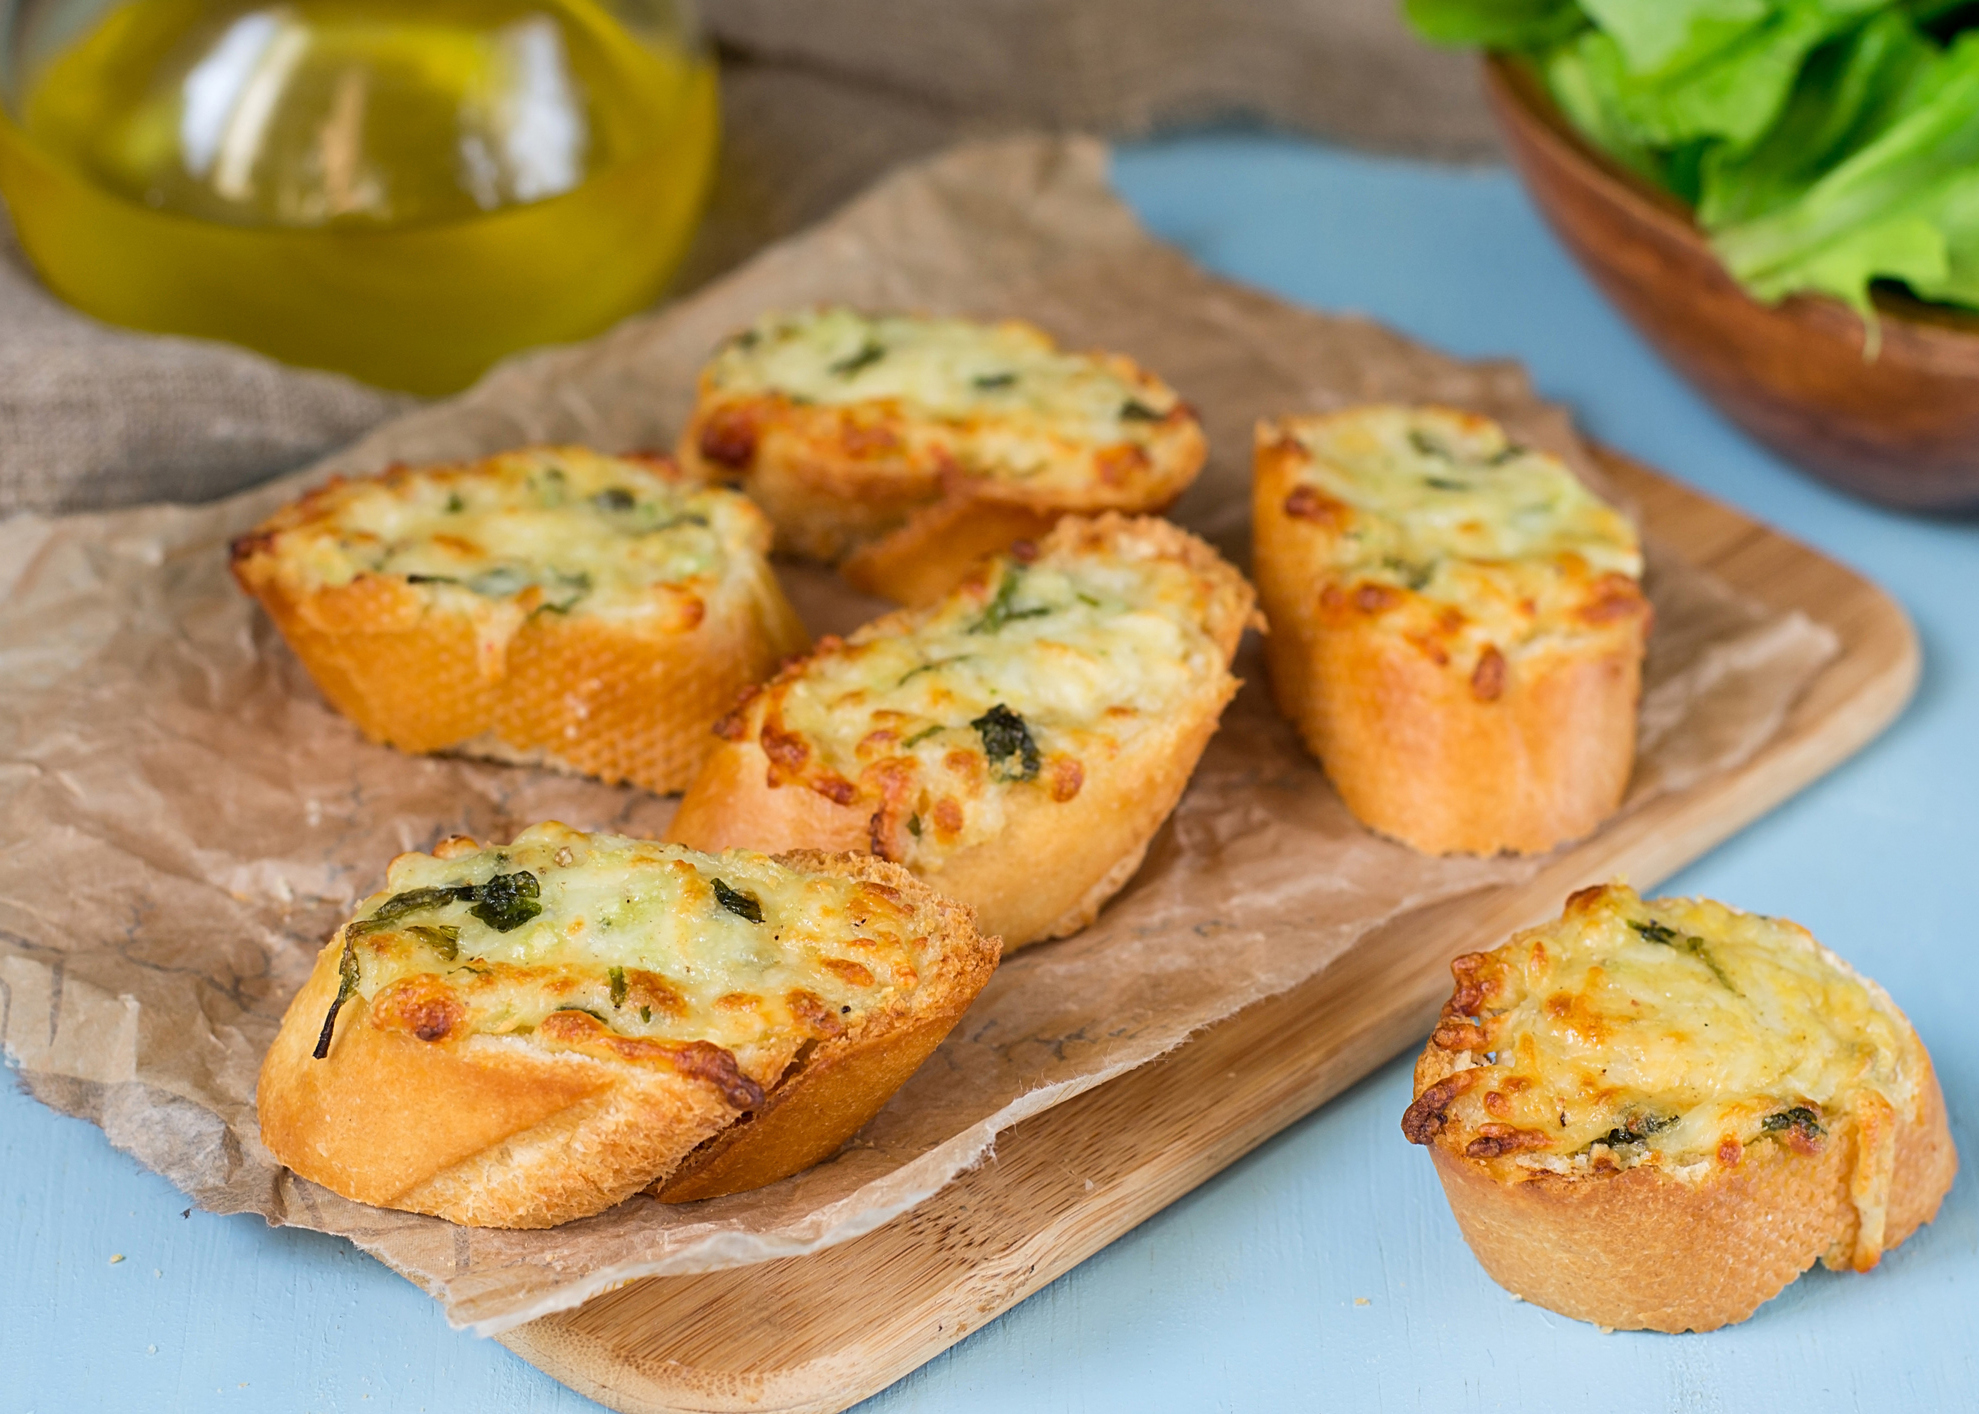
[403, 190]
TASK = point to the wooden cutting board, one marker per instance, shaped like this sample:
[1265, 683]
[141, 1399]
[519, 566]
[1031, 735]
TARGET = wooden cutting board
[781, 1336]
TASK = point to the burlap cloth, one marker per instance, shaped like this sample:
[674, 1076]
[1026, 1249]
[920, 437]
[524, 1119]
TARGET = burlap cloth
[820, 96]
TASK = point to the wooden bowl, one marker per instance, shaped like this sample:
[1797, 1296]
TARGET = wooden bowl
[1901, 427]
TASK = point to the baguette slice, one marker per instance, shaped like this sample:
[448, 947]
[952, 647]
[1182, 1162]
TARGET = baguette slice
[1457, 628]
[904, 449]
[1016, 744]
[550, 606]
[1656, 1115]
[523, 1035]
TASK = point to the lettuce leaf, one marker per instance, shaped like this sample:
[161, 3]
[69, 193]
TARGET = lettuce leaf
[1852, 89]
[1662, 35]
[1933, 247]
[1825, 144]
[1734, 93]
[1909, 170]
[1495, 24]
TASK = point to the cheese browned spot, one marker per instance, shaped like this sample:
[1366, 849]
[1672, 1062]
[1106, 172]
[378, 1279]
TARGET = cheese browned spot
[636, 950]
[1676, 1033]
[1481, 548]
[1021, 682]
[1002, 399]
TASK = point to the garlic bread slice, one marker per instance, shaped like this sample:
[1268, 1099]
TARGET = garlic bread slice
[1457, 626]
[904, 448]
[1015, 744]
[552, 606]
[520, 1035]
[1656, 1114]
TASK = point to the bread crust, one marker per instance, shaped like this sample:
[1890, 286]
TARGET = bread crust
[1515, 747]
[1641, 1250]
[1054, 864]
[879, 486]
[622, 700]
[508, 1131]
[1643, 1247]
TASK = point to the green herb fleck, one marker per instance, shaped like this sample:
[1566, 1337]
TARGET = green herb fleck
[914, 826]
[508, 901]
[347, 979]
[443, 938]
[1134, 410]
[675, 522]
[1013, 756]
[562, 595]
[1415, 576]
[645, 1013]
[1668, 937]
[1511, 451]
[595, 1016]
[501, 582]
[991, 382]
[455, 505]
[1089, 600]
[1002, 609]
[617, 976]
[412, 901]
[614, 498]
[431, 579]
[920, 736]
[1428, 446]
[913, 673]
[1799, 1117]
[1444, 483]
[1636, 1128]
[740, 904]
[870, 353]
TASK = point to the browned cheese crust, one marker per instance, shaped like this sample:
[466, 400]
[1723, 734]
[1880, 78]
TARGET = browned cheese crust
[1068, 838]
[1632, 1236]
[905, 497]
[623, 696]
[1450, 729]
[412, 1107]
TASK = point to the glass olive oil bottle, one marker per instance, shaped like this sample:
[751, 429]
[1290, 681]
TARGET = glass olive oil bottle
[403, 190]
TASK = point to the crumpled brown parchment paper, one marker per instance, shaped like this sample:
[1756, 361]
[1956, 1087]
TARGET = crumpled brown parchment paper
[183, 821]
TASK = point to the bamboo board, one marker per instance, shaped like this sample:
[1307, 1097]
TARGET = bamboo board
[781, 1337]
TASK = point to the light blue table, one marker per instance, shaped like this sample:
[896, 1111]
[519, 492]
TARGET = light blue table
[1324, 1270]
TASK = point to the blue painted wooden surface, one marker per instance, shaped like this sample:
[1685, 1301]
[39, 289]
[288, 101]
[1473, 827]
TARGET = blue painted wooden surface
[1324, 1270]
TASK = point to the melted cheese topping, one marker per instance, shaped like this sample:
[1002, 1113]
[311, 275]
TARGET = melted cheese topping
[1674, 1032]
[1019, 398]
[559, 529]
[1085, 651]
[1439, 495]
[654, 941]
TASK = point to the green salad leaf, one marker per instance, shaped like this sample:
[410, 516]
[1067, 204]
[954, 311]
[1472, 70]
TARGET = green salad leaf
[1884, 211]
[1826, 145]
[1851, 89]
[1495, 24]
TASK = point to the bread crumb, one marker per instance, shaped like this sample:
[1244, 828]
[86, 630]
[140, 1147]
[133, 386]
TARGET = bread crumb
[1606, 1330]
[1515, 1296]
[116, 1257]
[1360, 1301]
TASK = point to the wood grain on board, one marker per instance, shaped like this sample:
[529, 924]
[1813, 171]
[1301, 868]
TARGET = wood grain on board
[782, 1336]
